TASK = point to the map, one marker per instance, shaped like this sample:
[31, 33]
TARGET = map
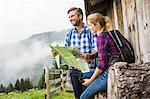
[72, 57]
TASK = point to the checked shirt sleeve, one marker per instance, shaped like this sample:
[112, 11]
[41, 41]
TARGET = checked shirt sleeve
[102, 44]
[67, 40]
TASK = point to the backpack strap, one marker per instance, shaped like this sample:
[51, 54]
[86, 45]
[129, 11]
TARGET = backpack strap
[119, 41]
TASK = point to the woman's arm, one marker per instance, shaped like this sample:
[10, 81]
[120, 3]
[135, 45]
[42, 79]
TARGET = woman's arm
[93, 77]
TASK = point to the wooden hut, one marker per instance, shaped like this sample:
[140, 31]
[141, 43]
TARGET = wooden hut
[132, 19]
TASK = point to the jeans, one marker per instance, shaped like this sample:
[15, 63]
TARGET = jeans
[99, 84]
[76, 77]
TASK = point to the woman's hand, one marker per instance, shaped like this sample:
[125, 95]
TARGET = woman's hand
[96, 73]
[86, 82]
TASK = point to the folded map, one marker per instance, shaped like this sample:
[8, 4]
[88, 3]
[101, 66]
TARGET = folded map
[72, 57]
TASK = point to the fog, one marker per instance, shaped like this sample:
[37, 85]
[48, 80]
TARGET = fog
[20, 61]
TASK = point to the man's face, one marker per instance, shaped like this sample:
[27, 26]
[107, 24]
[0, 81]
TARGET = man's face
[74, 18]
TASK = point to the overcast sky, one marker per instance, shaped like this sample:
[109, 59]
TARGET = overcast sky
[20, 19]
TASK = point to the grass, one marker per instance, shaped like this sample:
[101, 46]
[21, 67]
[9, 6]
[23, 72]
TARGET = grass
[36, 94]
[64, 95]
[31, 94]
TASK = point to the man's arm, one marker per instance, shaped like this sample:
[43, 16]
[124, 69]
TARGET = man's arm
[68, 38]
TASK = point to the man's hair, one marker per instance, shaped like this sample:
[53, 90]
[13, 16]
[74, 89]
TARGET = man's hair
[78, 11]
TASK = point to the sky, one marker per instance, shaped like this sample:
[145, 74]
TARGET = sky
[19, 19]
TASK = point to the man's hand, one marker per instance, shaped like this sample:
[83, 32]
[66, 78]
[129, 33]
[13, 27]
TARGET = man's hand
[86, 56]
[54, 53]
[73, 68]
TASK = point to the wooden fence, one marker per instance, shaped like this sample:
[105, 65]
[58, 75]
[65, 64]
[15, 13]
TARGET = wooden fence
[63, 74]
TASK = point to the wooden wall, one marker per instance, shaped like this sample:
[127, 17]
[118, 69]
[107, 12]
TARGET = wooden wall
[143, 19]
[132, 18]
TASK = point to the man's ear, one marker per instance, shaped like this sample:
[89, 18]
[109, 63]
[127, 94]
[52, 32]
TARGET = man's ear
[80, 16]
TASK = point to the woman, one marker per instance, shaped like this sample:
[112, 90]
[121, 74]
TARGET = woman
[107, 51]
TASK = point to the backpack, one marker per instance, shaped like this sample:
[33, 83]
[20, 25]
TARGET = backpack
[124, 46]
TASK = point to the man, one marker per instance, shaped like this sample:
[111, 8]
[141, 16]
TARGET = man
[79, 36]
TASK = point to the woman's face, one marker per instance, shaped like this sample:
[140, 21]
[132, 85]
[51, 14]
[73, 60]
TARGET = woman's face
[92, 27]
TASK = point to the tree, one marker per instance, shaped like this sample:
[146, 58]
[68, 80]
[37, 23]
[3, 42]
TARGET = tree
[41, 83]
[2, 88]
[17, 85]
[28, 84]
[10, 88]
[23, 85]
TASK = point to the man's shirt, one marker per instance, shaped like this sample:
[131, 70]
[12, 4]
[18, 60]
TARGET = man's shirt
[107, 50]
[85, 40]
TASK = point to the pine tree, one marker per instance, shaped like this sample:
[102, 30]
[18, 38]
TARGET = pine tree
[28, 84]
[41, 83]
[23, 87]
[2, 89]
[17, 85]
[10, 88]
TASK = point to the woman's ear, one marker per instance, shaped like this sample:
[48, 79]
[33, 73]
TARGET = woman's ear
[98, 25]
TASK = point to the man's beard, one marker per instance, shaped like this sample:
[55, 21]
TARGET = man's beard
[77, 23]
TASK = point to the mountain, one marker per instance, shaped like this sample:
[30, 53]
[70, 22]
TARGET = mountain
[28, 57]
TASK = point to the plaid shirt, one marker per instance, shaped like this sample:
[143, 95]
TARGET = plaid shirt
[107, 50]
[85, 40]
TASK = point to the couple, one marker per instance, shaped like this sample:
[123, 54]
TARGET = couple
[92, 43]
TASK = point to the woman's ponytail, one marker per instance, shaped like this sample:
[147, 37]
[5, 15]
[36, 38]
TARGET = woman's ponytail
[108, 24]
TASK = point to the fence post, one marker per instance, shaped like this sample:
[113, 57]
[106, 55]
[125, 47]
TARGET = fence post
[62, 79]
[47, 83]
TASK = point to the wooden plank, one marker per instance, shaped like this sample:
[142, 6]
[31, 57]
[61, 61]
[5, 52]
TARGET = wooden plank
[115, 15]
[99, 7]
[119, 15]
[57, 80]
[130, 25]
[56, 91]
[55, 71]
[46, 71]
[94, 2]
[87, 5]
[54, 81]
[143, 18]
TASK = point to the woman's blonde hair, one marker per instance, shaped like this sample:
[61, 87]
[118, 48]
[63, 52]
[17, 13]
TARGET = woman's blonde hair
[104, 21]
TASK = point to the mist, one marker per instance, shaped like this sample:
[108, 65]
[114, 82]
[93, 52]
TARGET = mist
[22, 62]
[27, 58]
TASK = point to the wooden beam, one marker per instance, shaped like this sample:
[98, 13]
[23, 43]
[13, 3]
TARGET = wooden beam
[94, 2]
[99, 7]
[87, 6]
